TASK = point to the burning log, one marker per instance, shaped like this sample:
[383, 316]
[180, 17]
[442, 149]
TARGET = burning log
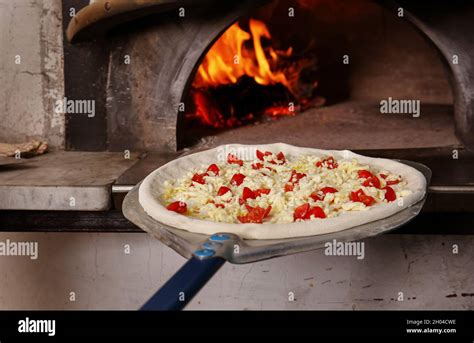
[239, 103]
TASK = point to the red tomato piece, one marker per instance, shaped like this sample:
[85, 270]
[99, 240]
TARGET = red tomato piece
[213, 168]
[322, 193]
[223, 190]
[315, 211]
[255, 215]
[261, 155]
[367, 200]
[316, 196]
[267, 211]
[328, 162]
[232, 159]
[390, 182]
[217, 205]
[390, 194]
[327, 190]
[360, 196]
[281, 157]
[289, 187]
[199, 178]
[301, 211]
[257, 166]
[364, 174]
[250, 209]
[331, 163]
[305, 212]
[296, 177]
[178, 207]
[247, 193]
[372, 181]
[354, 196]
[244, 219]
[237, 179]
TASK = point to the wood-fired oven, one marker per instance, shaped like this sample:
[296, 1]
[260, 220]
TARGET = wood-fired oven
[387, 78]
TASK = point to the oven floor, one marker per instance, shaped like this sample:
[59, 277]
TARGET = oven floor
[350, 125]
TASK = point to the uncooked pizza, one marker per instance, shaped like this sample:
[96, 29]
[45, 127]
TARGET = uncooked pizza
[277, 191]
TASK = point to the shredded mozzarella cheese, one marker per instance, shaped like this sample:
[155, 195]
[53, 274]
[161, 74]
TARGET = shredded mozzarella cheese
[204, 203]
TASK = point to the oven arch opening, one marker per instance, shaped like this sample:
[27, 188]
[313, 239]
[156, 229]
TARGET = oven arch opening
[368, 84]
[159, 86]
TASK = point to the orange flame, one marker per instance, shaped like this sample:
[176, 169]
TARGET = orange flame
[229, 59]
[239, 53]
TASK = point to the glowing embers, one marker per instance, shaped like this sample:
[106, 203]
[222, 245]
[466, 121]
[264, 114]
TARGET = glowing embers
[243, 77]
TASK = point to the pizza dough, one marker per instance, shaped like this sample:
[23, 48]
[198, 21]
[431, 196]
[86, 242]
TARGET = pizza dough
[153, 186]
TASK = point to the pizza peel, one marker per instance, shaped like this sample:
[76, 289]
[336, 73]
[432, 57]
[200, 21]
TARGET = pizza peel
[206, 254]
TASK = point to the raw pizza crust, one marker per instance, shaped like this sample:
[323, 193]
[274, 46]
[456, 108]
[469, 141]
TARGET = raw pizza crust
[152, 187]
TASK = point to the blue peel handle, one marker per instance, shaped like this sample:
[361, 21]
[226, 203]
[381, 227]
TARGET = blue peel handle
[185, 284]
